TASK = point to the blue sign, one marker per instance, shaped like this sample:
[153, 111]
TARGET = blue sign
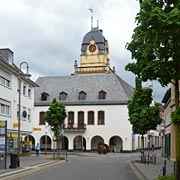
[60, 133]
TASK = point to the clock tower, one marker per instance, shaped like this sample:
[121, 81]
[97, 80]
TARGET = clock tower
[94, 58]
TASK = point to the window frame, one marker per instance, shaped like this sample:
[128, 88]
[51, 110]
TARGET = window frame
[101, 117]
[90, 118]
[62, 96]
[102, 94]
[82, 95]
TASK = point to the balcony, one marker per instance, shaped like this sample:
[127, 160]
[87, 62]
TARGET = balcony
[75, 128]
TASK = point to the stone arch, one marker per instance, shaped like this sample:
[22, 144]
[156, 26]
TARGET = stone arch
[63, 144]
[32, 139]
[95, 141]
[116, 144]
[79, 143]
[45, 143]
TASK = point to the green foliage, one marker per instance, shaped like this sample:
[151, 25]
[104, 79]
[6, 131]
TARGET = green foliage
[142, 115]
[155, 47]
[176, 116]
[166, 178]
[156, 41]
[55, 116]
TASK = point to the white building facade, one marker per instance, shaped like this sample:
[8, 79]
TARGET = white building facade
[9, 99]
[95, 98]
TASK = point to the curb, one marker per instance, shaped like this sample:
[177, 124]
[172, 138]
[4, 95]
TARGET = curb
[137, 172]
[27, 171]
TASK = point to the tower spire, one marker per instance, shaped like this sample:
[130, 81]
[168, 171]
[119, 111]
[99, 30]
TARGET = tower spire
[91, 10]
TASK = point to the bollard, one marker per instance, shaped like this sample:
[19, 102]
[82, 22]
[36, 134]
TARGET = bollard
[66, 156]
[163, 171]
[164, 167]
[174, 168]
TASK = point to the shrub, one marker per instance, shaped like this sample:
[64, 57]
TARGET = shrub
[166, 178]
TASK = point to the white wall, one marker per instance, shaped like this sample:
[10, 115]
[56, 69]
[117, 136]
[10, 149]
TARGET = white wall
[11, 95]
[116, 124]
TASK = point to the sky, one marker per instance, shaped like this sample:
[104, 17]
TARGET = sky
[47, 34]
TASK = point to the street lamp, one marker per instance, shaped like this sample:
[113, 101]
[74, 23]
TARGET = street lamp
[46, 142]
[20, 76]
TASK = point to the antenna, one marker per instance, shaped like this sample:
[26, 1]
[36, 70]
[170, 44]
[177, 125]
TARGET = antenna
[97, 24]
[91, 10]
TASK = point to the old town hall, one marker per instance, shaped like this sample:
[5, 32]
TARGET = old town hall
[95, 98]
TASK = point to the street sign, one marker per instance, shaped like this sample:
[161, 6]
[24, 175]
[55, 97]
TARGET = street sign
[60, 133]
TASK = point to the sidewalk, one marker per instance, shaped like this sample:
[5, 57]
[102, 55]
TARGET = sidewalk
[151, 171]
[30, 164]
[27, 163]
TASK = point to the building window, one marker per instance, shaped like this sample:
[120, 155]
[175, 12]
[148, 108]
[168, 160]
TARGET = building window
[24, 90]
[29, 92]
[29, 114]
[41, 118]
[80, 119]
[62, 96]
[4, 109]
[70, 119]
[44, 96]
[101, 118]
[82, 95]
[24, 113]
[90, 117]
[102, 94]
[17, 110]
[4, 81]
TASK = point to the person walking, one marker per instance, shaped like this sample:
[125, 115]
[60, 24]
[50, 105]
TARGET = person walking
[37, 149]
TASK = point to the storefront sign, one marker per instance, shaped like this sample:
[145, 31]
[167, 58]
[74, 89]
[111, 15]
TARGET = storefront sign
[37, 129]
[9, 135]
[16, 124]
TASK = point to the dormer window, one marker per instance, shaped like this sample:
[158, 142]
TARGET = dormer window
[82, 95]
[62, 96]
[44, 96]
[102, 94]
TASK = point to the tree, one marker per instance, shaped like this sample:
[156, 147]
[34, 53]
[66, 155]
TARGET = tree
[55, 116]
[142, 115]
[155, 46]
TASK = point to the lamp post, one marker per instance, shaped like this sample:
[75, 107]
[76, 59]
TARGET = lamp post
[20, 76]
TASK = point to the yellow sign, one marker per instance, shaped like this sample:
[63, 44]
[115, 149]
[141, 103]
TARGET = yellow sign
[2, 124]
[13, 135]
[16, 124]
[27, 143]
[37, 129]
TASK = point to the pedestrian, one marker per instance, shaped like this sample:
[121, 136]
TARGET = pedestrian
[152, 147]
[37, 149]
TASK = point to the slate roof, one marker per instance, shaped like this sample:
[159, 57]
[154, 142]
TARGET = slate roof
[118, 91]
[98, 37]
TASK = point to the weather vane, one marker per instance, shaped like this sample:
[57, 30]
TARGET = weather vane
[91, 10]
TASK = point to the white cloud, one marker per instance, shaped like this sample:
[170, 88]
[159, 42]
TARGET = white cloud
[48, 33]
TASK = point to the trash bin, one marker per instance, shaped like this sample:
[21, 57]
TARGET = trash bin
[2, 161]
[14, 160]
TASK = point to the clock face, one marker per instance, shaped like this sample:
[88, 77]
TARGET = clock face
[92, 48]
